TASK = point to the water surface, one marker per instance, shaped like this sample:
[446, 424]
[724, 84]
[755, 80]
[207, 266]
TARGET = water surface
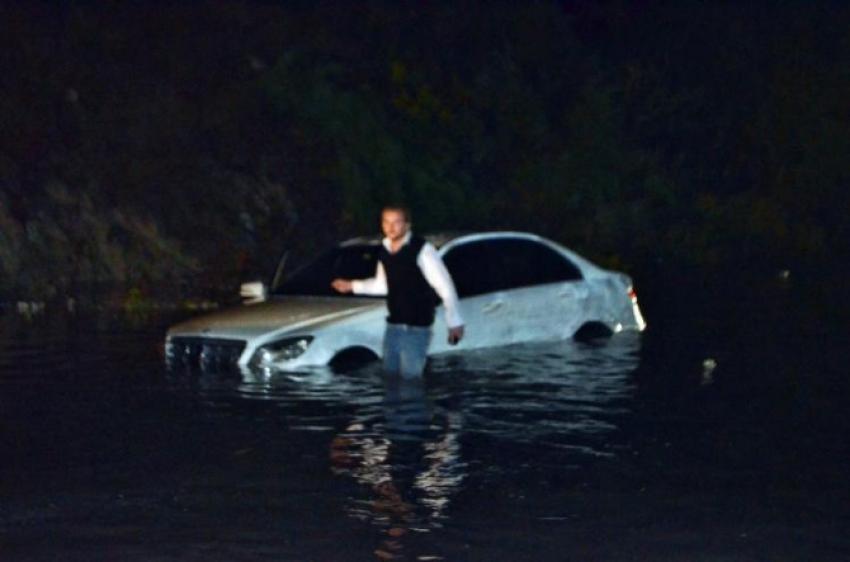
[709, 437]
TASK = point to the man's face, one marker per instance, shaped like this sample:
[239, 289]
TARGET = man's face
[394, 224]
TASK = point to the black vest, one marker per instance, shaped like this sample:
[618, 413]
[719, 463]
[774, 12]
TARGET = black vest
[410, 299]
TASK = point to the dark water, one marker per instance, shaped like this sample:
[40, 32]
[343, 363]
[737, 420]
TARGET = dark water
[718, 435]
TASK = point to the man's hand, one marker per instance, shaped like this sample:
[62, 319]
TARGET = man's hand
[455, 335]
[341, 285]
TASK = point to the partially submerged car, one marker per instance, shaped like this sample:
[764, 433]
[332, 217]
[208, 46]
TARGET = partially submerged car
[513, 287]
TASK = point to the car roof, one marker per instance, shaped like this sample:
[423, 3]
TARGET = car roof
[444, 240]
[440, 239]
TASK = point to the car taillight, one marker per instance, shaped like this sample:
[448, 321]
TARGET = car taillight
[641, 323]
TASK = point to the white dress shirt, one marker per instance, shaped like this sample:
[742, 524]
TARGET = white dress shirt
[434, 271]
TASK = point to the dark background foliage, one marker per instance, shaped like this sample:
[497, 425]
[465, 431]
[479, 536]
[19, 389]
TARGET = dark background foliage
[176, 148]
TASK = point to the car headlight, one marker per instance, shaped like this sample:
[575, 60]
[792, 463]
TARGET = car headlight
[270, 354]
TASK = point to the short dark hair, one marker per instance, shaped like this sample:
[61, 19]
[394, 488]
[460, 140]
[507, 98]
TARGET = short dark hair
[403, 209]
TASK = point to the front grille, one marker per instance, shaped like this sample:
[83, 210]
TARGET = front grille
[203, 352]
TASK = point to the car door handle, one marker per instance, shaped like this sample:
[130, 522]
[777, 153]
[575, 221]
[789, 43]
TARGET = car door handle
[492, 306]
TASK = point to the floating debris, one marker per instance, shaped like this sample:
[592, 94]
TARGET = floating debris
[708, 366]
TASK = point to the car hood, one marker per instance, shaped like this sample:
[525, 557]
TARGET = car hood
[289, 313]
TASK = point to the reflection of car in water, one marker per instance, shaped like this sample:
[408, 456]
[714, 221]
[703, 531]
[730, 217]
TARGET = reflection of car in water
[403, 451]
[513, 287]
[567, 401]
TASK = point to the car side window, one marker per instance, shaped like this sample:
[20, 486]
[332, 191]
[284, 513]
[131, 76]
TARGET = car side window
[470, 267]
[500, 264]
[525, 263]
[356, 262]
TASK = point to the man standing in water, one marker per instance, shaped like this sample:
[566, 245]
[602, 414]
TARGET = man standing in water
[409, 272]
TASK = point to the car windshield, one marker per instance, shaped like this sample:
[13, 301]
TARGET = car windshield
[346, 262]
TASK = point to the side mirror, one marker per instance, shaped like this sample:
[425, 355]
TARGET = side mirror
[253, 292]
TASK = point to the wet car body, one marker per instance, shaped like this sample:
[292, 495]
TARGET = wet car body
[513, 287]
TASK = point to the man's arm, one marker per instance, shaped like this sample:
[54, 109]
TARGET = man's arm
[435, 272]
[376, 285]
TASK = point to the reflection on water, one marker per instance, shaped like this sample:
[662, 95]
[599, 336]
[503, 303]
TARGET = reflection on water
[563, 395]
[402, 442]
[105, 417]
[408, 463]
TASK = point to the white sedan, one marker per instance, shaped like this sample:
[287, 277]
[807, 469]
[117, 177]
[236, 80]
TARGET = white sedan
[513, 287]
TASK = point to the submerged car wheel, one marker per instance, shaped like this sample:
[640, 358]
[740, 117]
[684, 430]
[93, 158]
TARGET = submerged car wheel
[593, 332]
[352, 358]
